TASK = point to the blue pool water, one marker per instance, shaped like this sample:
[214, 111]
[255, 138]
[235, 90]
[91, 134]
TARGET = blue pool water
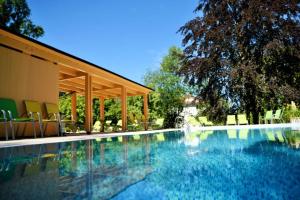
[232, 164]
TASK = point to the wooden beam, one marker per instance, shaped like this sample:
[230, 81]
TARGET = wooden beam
[74, 106]
[72, 88]
[103, 93]
[73, 84]
[145, 97]
[101, 99]
[88, 103]
[124, 108]
[65, 77]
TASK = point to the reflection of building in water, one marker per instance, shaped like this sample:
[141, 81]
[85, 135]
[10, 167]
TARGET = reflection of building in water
[84, 169]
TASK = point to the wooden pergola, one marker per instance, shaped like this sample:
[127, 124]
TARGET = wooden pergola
[78, 76]
[94, 82]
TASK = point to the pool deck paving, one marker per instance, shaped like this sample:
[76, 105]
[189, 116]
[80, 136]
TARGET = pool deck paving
[46, 140]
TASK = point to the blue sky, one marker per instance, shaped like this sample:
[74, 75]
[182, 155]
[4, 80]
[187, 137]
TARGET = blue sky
[126, 37]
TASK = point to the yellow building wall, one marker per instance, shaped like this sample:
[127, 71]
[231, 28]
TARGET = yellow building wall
[23, 77]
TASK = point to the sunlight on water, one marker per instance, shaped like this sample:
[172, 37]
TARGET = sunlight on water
[229, 164]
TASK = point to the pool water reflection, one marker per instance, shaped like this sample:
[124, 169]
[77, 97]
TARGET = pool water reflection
[232, 164]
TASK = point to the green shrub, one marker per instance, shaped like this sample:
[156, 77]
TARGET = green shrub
[289, 113]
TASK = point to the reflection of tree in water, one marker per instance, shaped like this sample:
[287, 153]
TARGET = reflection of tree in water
[293, 138]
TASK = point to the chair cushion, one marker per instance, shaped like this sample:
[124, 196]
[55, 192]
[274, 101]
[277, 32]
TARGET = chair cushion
[8, 104]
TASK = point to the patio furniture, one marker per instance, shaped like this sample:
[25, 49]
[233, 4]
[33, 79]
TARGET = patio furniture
[193, 121]
[158, 123]
[107, 125]
[97, 126]
[10, 114]
[33, 109]
[231, 120]
[118, 127]
[3, 120]
[242, 119]
[278, 115]
[53, 114]
[203, 121]
[133, 122]
[268, 117]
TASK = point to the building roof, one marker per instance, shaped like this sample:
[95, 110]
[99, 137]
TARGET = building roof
[72, 69]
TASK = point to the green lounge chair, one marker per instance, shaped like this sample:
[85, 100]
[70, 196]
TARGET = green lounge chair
[278, 115]
[10, 114]
[133, 122]
[193, 121]
[203, 121]
[158, 123]
[97, 126]
[54, 115]
[268, 117]
[242, 119]
[230, 120]
[107, 125]
[119, 125]
[34, 111]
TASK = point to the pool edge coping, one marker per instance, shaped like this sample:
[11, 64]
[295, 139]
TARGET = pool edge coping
[48, 140]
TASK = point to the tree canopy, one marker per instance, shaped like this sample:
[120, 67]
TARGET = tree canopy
[168, 98]
[244, 52]
[14, 15]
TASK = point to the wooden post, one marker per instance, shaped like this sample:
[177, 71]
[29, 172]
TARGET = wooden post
[88, 103]
[74, 105]
[124, 108]
[146, 111]
[101, 99]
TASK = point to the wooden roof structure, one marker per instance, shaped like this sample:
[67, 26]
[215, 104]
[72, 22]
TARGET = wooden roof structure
[79, 76]
[72, 69]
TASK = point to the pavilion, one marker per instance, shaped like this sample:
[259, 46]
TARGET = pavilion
[33, 70]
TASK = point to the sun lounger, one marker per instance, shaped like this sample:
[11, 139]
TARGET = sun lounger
[203, 121]
[268, 117]
[193, 121]
[34, 111]
[278, 115]
[231, 120]
[54, 115]
[242, 119]
[10, 114]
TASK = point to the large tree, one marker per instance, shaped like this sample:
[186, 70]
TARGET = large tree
[246, 52]
[168, 98]
[14, 15]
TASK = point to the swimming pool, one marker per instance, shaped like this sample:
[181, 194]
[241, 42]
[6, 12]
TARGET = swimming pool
[224, 164]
